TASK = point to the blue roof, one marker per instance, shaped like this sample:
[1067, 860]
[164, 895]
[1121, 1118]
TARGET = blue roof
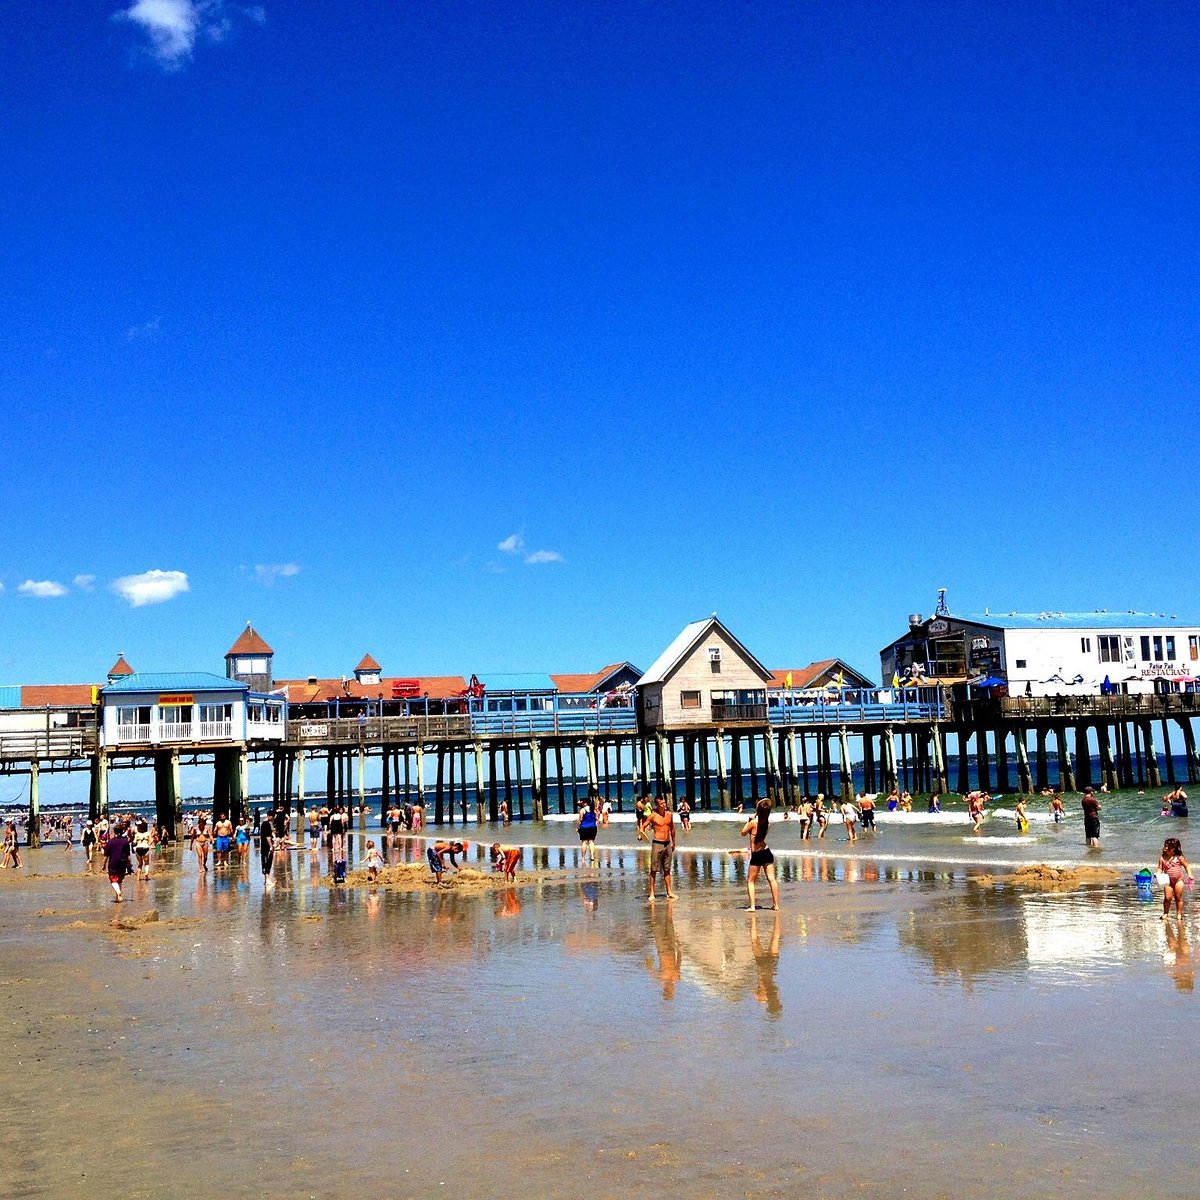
[518, 681]
[1087, 620]
[174, 681]
[10, 696]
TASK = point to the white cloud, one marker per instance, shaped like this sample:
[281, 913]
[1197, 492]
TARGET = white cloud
[150, 587]
[544, 556]
[85, 583]
[172, 27]
[267, 573]
[513, 544]
[44, 589]
[143, 333]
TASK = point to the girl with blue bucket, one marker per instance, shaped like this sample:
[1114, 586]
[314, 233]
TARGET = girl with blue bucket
[1174, 874]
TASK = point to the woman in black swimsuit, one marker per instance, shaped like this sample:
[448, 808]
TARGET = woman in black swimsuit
[761, 858]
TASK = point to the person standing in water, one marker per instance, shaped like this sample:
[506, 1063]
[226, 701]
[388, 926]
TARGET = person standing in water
[661, 824]
[1091, 817]
[587, 834]
[761, 858]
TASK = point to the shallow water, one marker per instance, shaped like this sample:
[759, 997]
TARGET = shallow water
[897, 1029]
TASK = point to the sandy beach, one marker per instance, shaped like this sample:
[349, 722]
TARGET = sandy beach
[896, 1029]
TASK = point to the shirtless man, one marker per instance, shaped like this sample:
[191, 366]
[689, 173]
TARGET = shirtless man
[661, 826]
[223, 832]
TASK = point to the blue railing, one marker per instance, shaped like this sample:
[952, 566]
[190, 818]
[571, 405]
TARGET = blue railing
[857, 707]
[581, 720]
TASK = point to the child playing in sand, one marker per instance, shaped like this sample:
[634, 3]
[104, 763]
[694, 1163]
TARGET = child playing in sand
[505, 858]
[374, 861]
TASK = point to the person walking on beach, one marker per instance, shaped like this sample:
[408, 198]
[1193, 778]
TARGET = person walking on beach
[685, 815]
[116, 859]
[1091, 817]
[266, 846]
[201, 841]
[661, 826]
[587, 834]
[12, 853]
[141, 847]
[761, 858]
[88, 840]
[223, 833]
[1178, 874]
[1056, 809]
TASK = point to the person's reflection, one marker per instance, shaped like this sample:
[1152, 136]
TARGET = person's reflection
[766, 962]
[1179, 956]
[590, 894]
[666, 947]
[508, 903]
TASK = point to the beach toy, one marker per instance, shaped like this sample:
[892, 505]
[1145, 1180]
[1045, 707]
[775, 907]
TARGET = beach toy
[1145, 884]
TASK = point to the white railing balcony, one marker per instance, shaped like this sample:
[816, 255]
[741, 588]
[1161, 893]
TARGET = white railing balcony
[216, 731]
[272, 731]
[175, 733]
[133, 733]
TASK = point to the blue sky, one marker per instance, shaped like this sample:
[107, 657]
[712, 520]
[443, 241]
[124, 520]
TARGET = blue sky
[513, 338]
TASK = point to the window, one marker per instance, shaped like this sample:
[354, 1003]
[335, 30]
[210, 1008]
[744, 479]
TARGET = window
[1170, 647]
[1085, 645]
[714, 659]
[177, 714]
[1145, 648]
[1109, 648]
[1193, 646]
[689, 699]
[1158, 649]
[255, 713]
[1021, 664]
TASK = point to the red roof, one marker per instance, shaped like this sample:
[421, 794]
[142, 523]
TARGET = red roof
[368, 664]
[249, 643]
[58, 695]
[578, 683]
[120, 667]
[301, 691]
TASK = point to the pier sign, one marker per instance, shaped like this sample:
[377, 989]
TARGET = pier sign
[174, 701]
[314, 731]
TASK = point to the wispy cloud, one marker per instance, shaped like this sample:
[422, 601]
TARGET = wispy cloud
[172, 27]
[150, 587]
[43, 589]
[513, 544]
[85, 583]
[143, 333]
[268, 573]
[544, 556]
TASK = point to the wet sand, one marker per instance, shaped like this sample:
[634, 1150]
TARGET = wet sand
[895, 1030]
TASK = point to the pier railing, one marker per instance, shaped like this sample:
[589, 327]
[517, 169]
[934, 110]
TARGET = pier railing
[1146, 706]
[863, 711]
[47, 745]
[374, 730]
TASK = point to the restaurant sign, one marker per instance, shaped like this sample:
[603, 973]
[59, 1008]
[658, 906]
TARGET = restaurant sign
[175, 701]
[314, 731]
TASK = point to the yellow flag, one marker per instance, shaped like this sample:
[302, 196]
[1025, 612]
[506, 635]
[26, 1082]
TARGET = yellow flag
[895, 679]
[787, 680]
[839, 682]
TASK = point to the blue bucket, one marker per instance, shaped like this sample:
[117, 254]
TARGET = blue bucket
[1145, 884]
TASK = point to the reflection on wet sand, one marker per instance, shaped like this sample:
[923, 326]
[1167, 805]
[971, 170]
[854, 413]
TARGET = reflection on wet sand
[485, 1023]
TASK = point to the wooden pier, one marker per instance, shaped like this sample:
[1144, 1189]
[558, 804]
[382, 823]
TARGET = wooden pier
[464, 765]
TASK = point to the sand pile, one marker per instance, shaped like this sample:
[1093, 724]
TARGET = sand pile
[1047, 878]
